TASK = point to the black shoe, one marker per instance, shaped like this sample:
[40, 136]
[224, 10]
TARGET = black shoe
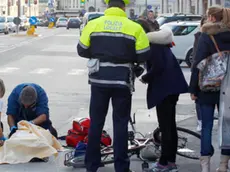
[40, 160]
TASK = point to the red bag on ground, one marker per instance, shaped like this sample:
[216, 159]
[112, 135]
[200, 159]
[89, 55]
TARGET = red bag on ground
[81, 125]
[74, 137]
[79, 133]
[105, 139]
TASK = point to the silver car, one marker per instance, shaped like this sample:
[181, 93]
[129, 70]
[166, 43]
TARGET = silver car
[62, 22]
[3, 25]
[12, 27]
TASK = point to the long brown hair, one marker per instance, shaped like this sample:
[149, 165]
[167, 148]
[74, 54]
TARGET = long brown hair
[221, 14]
[2, 88]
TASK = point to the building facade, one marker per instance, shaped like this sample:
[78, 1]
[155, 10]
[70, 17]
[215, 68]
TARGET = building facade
[27, 8]
[73, 7]
[163, 6]
[3, 7]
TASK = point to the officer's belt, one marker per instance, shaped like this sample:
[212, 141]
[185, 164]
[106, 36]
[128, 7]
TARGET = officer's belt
[100, 81]
[109, 64]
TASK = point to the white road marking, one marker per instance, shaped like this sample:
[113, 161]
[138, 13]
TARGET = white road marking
[26, 42]
[41, 71]
[77, 72]
[8, 69]
[8, 49]
[71, 35]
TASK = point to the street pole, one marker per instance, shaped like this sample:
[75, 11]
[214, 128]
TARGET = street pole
[29, 8]
[95, 4]
[19, 8]
[19, 13]
[146, 5]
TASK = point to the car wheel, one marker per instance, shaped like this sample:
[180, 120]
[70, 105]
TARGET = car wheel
[6, 33]
[189, 58]
[67, 28]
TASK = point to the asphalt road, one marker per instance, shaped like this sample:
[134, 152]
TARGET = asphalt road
[51, 60]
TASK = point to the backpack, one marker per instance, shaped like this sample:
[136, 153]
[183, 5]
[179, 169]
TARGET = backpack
[79, 133]
[81, 125]
[105, 139]
[73, 138]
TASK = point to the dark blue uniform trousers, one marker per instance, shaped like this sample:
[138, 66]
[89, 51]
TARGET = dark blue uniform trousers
[121, 102]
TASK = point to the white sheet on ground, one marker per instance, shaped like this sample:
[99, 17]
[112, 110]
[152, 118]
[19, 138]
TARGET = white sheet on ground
[28, 142]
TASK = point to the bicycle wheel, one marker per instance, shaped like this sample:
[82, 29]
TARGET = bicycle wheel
[188, 146]
[188, 143]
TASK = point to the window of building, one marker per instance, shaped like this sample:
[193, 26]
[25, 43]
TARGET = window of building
[43, 1]
[66, 4]
[218, 2]
[69, 3]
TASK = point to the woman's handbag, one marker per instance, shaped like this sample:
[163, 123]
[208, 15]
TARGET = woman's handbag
[213, 70]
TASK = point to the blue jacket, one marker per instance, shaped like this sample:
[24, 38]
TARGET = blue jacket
[17, 110]
[206, 48]
[164, 75]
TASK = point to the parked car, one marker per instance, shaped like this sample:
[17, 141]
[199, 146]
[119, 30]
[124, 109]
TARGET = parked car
[89, 16]
[73, 23]
[3, 25]
[183, 39]
[43, 23]
[12, 27]
[24, 25]
[167, 18]
[61, 22]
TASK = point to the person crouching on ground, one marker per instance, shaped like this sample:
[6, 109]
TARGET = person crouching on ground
[165, 83]
[29, 101]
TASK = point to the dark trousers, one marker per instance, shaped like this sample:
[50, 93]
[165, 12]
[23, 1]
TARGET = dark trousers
[121, 102]
[2, 126]
[198, 113]
[53, 131]
[166, 114]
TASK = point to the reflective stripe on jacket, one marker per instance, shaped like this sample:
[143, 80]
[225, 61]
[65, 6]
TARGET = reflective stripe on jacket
[113, 75]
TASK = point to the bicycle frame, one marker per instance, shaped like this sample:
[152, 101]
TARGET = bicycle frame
[133, 122]
[134, 149]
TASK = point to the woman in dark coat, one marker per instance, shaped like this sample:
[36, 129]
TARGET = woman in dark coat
[197, 36]
[165, 83]
[219, 26]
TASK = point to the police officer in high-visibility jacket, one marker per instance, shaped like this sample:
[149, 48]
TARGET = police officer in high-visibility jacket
[113, 43]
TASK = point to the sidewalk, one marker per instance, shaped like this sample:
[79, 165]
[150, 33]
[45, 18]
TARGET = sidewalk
[185, 165]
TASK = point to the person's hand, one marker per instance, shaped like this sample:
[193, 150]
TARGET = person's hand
[193, 97]
[12, 130]
[1, 143]
[2, 140]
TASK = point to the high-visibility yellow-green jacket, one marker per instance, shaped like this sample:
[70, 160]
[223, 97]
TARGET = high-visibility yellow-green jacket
[118, 43]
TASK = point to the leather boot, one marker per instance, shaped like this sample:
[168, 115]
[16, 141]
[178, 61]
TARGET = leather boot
[205, 163]
[223, 167]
